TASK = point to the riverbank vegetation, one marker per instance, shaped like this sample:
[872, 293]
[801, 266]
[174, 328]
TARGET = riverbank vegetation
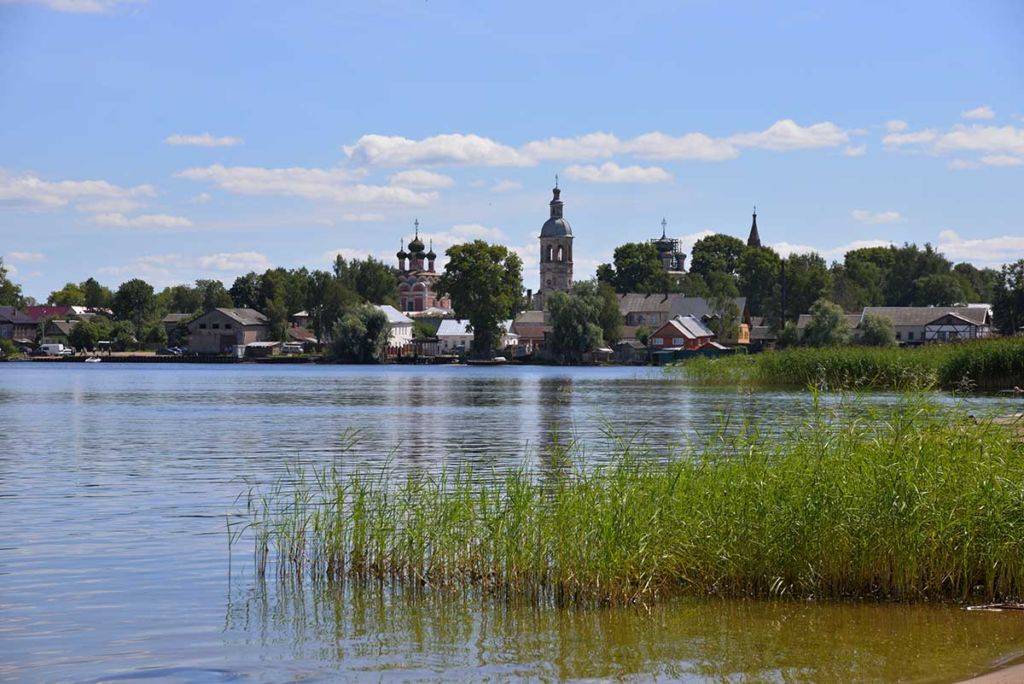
[919, 503]
[967, 366]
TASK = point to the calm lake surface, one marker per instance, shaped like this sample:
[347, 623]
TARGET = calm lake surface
[116, 482]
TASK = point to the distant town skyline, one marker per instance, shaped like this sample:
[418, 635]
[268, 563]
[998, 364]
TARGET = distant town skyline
[181, 140]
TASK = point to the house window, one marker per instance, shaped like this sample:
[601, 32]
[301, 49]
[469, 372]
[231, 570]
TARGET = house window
[657, 341]
[910, 335]
[202, 326]
[898, 336]
[215, 326]
[677, 341]
[227, 326]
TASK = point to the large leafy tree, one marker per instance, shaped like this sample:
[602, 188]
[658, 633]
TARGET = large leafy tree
[758, 274]
[134, 301]
[245, 291]
[807, 279]
[10, 293]
[373, 280]
[96, 295]
[485, 284]
[978, 284]
[583, 319]
[722, 299]
[938, 289]
[877, 331]
[213, 295]
[637, 269]
[1008, 303]
[717, 254]
[827, 327]
[69, 295]
[180, 299]
[361, 335]
[326, 301]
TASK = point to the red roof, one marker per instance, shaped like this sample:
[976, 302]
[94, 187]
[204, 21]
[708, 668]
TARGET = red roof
[38, 313]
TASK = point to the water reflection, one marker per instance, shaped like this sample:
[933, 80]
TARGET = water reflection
[359, 631]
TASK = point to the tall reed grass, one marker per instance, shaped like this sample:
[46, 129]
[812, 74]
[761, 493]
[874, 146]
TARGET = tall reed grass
[979, 364]
[910, 505]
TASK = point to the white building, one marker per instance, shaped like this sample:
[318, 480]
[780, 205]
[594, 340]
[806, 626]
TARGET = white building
[454, 336]
[399, 324]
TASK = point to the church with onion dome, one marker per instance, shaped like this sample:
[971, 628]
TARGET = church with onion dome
[417, 277]
[555, 250]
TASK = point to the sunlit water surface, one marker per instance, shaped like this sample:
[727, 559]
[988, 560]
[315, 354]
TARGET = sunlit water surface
[116, 483]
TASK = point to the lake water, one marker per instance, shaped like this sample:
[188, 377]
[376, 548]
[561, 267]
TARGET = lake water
[116, 482]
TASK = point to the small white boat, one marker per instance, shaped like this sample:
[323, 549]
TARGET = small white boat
[93, 359]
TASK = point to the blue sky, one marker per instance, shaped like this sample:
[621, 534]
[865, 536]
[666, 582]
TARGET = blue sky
[171, 140]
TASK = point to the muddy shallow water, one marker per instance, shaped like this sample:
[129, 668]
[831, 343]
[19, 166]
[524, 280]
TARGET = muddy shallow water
[116, 482]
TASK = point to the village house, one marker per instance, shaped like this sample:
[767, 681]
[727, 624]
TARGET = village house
[681, 333]
[530, 327]
[17, 326]
[652, 311]
[454, 336]
[57, 332]
[223, 330]
[399, 325]
[917, 324]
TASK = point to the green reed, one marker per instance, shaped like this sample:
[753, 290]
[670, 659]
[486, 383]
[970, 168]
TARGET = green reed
[915, 504]
[980, 364]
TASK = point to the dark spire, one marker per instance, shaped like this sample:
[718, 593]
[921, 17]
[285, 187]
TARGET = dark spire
[664, 224]
[556, 201]
[754, 240]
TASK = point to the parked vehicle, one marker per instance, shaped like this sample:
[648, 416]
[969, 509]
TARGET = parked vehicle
[168, 351]
[292, 348]
[55, 349]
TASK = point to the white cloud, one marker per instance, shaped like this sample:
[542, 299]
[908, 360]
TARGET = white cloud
[26, 257]
[162, 270]
[828, 253]
[962, 165]
[109, 206]
[362, 217]
[1001, 160]
[506, 186]
[451, 148]
[203, 140]
[994, 250]
[978, 138]
[855, 151]
[691, 146]
[144, 221]
[896, 126]
[982, 112]
[788, 135]
[610, 172]
[30, 191]
[687, 241]
[310, 183]
[74, 6]
[589, 146]
[917, 138]
[421, 178]
[201, 198]
[875, 217]
[235, 261]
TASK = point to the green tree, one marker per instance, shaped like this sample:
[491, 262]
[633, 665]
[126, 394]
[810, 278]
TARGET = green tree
[758, 276]
[1008, 303]
[245, 291]
[856, 284]
[85, 335]
[155, 334]
[643, 333]
[212, 295]
[575, 327]
[637, 268]
[876, 331]
[807, 279]
[789, 335]
[609, 314]
[180, 299]
[909, 264]
[939, 289]
[96, 295]
[134, 301]
[10, 293]
[827, 327]
[69, 295]
[361, 335]
[122, 335]
[717, 254]
[326, 301]
[373, 280]
[485, 284]
[978, 284]
[722, 301]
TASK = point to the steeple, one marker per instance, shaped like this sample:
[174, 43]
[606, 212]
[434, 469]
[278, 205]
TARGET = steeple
[556, 200]
[754, 240]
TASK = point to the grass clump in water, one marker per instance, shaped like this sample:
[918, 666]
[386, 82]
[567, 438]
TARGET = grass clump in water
[914, 505]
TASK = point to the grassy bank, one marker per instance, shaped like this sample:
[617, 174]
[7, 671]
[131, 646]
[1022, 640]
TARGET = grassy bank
[910, 506]
[975, 365]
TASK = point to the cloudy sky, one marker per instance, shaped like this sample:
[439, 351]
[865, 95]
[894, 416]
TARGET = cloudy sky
[174, 139]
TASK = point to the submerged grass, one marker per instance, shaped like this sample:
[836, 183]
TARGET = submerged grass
[979, 364]
[914, 505]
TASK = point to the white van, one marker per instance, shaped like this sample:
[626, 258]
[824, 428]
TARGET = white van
[56, 349]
